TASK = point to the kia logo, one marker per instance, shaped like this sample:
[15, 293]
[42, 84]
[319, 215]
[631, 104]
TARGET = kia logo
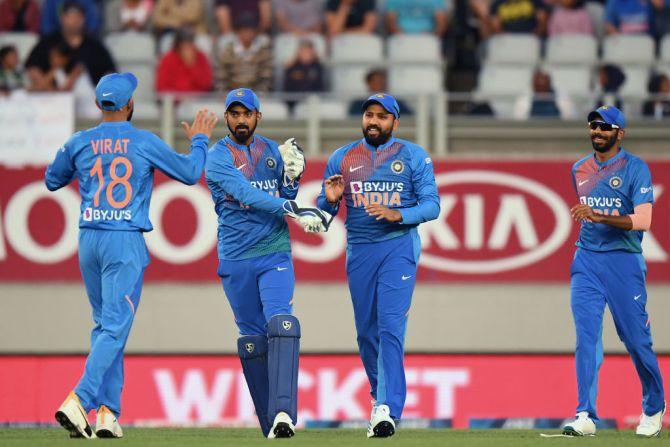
[533, 249]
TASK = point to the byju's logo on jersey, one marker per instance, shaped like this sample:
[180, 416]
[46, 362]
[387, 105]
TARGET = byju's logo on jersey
[96, 215]
[615, 182]
[380, 193]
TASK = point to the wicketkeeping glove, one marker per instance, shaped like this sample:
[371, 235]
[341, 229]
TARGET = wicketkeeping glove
[294, 160]
[312, 219]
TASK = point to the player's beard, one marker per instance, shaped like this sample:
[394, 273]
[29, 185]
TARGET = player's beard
[607, 145]
[381, 138]
[242, 133]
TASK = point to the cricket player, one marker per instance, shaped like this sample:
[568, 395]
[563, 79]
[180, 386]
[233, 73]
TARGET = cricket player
[615, 207]
[253, 183]
[114, 164]
[389, 189]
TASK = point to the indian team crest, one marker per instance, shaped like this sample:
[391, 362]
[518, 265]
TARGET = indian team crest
[615, 182]
[287, 325]
[397, 166]
[250, 347]
[239, 93]
[270, 162]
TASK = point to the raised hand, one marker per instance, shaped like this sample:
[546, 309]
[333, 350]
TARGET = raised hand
[334, 188]
[204, 123]
[294, 160]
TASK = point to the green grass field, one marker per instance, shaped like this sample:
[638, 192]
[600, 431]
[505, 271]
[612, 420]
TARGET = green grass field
[159, 437]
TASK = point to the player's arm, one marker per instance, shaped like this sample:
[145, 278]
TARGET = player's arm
[332, 189]
[185, 168]
[428, 201]
[61, 172]
[221, 170]
[642, 194]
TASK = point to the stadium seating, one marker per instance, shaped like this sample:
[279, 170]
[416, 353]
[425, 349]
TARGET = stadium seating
[131, 47]
[501, 85]
[329, 109]
[664, 50]
[629, 49]
[24, 42]
[597, 13]
[357, 48]
[145, 95]
[417, 79]
[513, 49]
[572, 80]
[204, 42]
[349, 79]
[575, 49]
[424, 48]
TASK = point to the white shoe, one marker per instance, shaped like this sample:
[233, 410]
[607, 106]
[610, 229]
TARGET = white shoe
[106, 425]
[381, 423]
[282, 427]
[650, 426]
[72, 417]
[583, 425]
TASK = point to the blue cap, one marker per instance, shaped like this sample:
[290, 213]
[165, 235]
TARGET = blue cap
[385, 100]
[610, 115]
[243, 96]
[115, 90]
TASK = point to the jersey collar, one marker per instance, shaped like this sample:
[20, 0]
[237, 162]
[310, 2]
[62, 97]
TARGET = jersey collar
[380, 148]
[230, 141]
[619, 155]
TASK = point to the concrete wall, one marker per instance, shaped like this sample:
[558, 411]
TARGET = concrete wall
[196, 318]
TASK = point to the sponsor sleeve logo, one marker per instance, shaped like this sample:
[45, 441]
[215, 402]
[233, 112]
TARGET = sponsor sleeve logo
[645, 190]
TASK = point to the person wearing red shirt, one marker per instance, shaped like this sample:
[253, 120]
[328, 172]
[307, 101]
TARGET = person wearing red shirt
[184, 68]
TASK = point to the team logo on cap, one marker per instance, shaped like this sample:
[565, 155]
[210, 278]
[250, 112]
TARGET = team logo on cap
[250, 347]
[615, 182]
[239, 93]
[270, 162]
[287, 325]
[397, 166]
[379, 95]
[605, 107]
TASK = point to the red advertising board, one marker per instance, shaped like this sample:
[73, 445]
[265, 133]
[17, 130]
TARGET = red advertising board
[210, 390]
[500, 221]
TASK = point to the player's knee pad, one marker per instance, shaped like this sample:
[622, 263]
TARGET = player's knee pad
[284, 326]
[253, 353]
[252, 346]
[283, 350]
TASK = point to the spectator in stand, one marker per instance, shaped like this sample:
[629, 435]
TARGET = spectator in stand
[19, 15]
[350, 16]
[299, 17]
[246, 61]
[11, 77]
[377, 82]
[172, 15]
[661, 17]
[418, 16]
[610, 79]
[658, 107]
[543, 102]
[629, 17]
[518, 16]
[305, 72]
[74, 45]
[52, 10]
[128, 15]
[184, 68]
[570, 17]
[228, 12]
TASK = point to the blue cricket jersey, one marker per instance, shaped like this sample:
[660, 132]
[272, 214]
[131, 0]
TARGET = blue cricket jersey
[613, 188]
[249, 197]
[114, 164]
[398, 174]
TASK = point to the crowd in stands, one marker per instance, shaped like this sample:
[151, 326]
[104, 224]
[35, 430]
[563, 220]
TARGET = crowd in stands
[217, 45]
